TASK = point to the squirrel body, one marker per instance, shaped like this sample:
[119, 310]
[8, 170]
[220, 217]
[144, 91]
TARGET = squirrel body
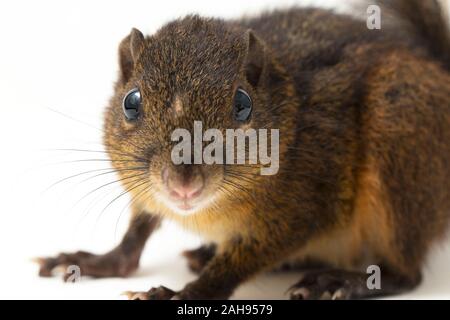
[364, 119]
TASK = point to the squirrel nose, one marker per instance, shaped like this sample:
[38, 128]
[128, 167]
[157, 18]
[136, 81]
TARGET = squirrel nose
[184, 184]
[186, 191]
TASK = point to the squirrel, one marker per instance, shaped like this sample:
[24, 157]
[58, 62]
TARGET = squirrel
[364, 153]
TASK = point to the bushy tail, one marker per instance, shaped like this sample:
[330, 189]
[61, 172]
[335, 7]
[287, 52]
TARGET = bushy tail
[428, 20]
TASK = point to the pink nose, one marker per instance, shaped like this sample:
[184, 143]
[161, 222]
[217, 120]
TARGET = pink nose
[189, 191]
[185, 184]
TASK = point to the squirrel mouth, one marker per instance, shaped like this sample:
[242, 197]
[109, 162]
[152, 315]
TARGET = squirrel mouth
[181, 206]
[185, 206]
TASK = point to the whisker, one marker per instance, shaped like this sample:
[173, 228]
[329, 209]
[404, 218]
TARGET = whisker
[242, 177]
[237, 186]
[110, 183]
[91, 171]
[115, 171]
[92, 126]
[119, 196]
[129, 204]
[97, 200]
[100, 151]
[108, 160]
[91, 160]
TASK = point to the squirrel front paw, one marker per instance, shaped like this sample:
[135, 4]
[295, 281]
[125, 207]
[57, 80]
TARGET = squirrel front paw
[112, 264]
[198, 258]
[160, 293]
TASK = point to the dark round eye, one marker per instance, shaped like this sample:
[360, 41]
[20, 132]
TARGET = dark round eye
[242, 105]
[132, 104]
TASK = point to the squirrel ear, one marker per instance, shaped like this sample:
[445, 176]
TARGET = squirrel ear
[260, 67]
[128, 51]
[254, 58]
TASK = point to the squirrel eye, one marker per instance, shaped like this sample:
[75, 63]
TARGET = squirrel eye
[132, 104]
[242, 105]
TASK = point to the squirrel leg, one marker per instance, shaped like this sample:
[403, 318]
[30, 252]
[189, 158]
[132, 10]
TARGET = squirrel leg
[198, 258]
[235, 262]
[335, 284]
[119, 262]
[301, 265]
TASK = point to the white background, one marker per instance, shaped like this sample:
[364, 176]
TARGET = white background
[58, 61]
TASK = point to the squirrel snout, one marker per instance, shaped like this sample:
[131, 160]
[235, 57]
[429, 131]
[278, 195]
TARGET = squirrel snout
[186, 192]
[183, 183]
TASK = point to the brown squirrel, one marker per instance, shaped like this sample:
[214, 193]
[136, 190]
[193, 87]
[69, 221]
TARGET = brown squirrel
[364, 152]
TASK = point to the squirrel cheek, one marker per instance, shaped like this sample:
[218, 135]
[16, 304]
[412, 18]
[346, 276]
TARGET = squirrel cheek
[127, 125]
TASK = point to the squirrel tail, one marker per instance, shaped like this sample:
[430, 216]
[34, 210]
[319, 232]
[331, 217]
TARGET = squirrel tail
[429, 22]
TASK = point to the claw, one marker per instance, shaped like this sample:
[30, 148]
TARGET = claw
[339, 295]
[136, 295]
[38, 260]
[159, 293]
[61, 269]
[327, 296]
[127, 294]
[299, 293]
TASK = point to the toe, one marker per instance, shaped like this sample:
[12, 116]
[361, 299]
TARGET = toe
[301, 293]
[46, 266]
[136, 295]
[159, 293]
[140, 296]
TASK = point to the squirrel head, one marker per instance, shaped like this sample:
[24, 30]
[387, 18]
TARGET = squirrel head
[191, 70]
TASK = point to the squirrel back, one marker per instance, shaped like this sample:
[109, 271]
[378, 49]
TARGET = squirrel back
[426, 21]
